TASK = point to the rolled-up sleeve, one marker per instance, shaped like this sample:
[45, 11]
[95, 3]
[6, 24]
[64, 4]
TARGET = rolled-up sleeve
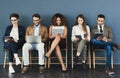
[73, 34]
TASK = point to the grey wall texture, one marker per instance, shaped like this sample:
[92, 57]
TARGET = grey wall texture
[69, 8]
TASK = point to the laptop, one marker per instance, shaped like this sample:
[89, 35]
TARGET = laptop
[33, 39]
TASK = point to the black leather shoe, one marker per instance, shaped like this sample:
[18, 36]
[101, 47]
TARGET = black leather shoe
[84, 66]
[64, 71]
[76, 60]
[24, 70]
[46, 57]
[41, 69]
[109, 72]
[117, 46]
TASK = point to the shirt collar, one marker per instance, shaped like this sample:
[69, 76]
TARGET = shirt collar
[80, 26]
[101, 26]
[36, 26]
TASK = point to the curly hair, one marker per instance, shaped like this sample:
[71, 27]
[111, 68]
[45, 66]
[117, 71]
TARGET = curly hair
[58, 15]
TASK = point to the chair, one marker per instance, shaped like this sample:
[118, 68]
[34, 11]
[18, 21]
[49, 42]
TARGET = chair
[31, 57]
[6, 56]
[73, 54]
[52, 59]
[95, 57]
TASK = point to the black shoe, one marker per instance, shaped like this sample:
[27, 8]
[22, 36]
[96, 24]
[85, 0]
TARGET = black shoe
[25, 69]
[41, 69]
[76, 60]
[116, 46]
[84, 66]
[46, 57]
[64, 70]
[109, 72]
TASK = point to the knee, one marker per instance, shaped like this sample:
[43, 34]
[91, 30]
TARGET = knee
[93, 40]
[83, 41]
[26, 46]
[40, 45]
[108, 47]
[57, 38]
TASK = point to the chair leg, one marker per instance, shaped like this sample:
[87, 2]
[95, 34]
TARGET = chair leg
[5, 59]
[66, 58]
[49, 62]
[89, 58]
[112, 60]
[22, 62]
[45, 62]
[30, 57]
[72, 58]
[94, 59]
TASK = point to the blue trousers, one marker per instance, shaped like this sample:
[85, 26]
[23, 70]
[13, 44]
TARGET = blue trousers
[12, 48]
[108, 47]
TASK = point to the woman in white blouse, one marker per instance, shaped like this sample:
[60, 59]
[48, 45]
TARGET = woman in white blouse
[13, 40]
[80, 36]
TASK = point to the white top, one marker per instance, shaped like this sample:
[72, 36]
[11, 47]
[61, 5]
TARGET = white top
[36, 30]
[99, 27]
[77, 30]
[14, 33]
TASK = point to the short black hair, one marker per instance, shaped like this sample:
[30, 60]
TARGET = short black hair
[14, 15]
[36, 15]
[101, 16]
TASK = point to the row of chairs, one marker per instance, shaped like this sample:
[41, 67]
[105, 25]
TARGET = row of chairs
[53, 60]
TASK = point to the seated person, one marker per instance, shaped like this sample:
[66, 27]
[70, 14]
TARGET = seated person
[80, 36]
[58, 40]
[35, 30]
[104, 41]
[14, 40]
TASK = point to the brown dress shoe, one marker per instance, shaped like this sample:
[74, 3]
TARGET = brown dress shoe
[41, 69]
[109, 72]
[24, 70]
[116, 46]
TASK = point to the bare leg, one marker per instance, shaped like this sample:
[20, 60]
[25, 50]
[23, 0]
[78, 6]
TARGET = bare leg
[53, 45]
[58, 53]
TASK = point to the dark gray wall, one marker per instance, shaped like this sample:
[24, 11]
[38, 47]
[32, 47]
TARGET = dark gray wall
[70, 8]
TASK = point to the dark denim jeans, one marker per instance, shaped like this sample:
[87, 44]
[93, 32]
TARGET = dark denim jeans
[108, 47]
[12, 48]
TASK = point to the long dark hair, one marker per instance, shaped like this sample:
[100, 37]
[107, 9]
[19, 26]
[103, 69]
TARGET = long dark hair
[84, 22]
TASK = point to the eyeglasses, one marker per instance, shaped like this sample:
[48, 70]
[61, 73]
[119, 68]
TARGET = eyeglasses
[14, 20]
[36, 20]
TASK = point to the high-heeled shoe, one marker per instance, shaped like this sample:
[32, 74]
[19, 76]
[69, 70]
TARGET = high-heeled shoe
[65, 70]
[46, 57]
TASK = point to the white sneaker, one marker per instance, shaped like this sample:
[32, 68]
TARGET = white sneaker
[11, 69]
[17, 61]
